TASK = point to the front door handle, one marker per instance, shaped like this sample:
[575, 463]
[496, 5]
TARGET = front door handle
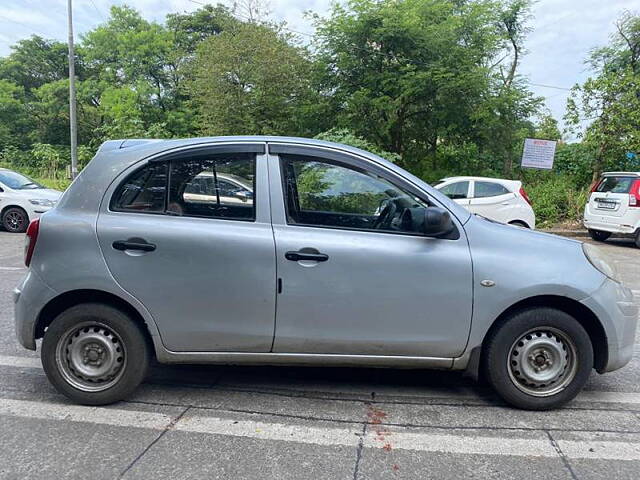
[133, 244]
[297, 256]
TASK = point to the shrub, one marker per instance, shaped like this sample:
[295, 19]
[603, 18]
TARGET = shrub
[556, 198]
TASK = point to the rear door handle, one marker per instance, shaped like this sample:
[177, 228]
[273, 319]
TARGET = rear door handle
[133, 244]
[297, 256]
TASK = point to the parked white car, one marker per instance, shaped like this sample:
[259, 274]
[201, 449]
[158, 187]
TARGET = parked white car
[614, 206]
[22, 199]
[494, 198]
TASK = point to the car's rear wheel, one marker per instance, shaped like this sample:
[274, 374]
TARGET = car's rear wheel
[94, 354]
[599, 235]
[15, 220]
[538, 359]
[638, 238]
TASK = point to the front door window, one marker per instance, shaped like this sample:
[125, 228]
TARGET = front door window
[327, 194]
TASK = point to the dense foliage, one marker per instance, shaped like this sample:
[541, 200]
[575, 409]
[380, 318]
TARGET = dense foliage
[432, 85]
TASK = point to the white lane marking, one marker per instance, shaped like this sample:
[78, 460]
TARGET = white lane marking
[77, 413]
[325, 436]
[585, 396]
[464, 444]
[599, 450]
[22, 362]
[270, 431]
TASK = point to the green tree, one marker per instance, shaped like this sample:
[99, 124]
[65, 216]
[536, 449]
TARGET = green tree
[503, 119]
[36, 61]
[250, 80]
[14, 119]
[342, 135]
[407, 75]
[609, 101]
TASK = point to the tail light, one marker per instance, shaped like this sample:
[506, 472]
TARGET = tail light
[595, 185]
[634, 194]
[30, 240]
[524, 195]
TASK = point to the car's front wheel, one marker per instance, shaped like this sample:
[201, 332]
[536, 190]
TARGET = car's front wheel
[15, 220]
[538, 358]
[599, 235]
[94, 354]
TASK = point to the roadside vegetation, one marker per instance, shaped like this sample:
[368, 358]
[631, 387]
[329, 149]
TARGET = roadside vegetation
[431, 85]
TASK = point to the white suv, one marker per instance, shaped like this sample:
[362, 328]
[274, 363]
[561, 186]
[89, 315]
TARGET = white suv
[501, 200]
[614, 206]
[22, 200]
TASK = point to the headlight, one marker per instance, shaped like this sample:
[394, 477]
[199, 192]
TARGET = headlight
[599, 259]
[43, 202]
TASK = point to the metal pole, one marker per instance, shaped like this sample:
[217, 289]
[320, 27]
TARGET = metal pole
[72, 97]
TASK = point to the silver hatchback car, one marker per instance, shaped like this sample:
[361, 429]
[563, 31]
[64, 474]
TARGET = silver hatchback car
[315, 254]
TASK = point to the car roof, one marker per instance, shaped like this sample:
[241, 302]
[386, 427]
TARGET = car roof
[127, 144]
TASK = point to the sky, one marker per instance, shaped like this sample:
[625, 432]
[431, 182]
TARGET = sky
[563, 31]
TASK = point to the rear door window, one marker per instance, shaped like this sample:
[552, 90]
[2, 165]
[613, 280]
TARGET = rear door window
[203, 185]
[489, 189]
[615, 184]
[219, 186]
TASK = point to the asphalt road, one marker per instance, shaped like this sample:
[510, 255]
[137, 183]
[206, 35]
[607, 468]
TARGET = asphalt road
[240, 422]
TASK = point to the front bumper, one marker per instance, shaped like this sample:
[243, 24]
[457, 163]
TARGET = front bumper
[29, 297]
[36, 210]
[613, 304]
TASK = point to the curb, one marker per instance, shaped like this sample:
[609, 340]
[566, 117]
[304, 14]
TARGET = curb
[568, 233]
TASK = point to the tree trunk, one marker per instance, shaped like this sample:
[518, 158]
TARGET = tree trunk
[597, 164]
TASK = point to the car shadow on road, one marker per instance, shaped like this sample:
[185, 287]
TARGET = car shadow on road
[331, 382]
[620, 242]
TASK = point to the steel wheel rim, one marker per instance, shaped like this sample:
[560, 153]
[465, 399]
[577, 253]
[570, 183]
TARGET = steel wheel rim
[14, 220]
[542, 362]
[91, 357]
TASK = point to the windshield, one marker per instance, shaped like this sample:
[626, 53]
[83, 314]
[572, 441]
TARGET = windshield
[17, 181]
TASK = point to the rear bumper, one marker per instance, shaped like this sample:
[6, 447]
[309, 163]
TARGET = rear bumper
[613, 305]
[28, 298]
[627, 224]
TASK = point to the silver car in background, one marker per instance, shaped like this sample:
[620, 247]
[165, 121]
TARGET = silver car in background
[335, 257]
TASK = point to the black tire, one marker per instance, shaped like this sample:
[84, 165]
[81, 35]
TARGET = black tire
[519, 223]
[112, 325]
[599, 235]
[15, 220]
[501, 350]
[638, 239]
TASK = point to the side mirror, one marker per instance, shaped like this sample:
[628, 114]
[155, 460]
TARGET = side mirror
[432, 221]
[437, 222]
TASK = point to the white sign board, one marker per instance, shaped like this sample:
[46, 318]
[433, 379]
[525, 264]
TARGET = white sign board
[538, 153]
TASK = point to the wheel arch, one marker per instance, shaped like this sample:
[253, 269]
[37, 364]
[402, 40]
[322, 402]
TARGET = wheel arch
[68, 299]
[577, 310]
[14, 205]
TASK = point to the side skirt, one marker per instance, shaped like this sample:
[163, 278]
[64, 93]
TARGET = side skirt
[304, 359]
